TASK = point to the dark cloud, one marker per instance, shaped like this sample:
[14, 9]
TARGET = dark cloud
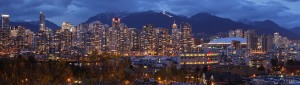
[77, 11]
[292, 0]
[29, 9]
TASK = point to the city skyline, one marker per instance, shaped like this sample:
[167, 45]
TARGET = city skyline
[119, 39]
[283, 12]
[153, 47]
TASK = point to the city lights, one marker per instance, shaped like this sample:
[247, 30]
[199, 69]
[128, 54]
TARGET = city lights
[97, 53]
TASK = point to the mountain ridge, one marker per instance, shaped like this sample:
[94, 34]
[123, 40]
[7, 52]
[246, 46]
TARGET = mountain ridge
[295, 30]
[34, 25]
[201, 23]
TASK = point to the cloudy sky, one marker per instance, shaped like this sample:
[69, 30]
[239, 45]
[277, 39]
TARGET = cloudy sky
[284, 12]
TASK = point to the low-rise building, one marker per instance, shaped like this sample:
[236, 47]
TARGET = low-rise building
[199, 59]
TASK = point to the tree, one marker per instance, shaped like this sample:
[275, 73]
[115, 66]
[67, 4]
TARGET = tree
[197, 73]
[275, 65]
[261, 68]
[204, 69]
[174, 72]
[162, 74]
[182, 74]
[290, 62]
[59, 71]
[274, 62]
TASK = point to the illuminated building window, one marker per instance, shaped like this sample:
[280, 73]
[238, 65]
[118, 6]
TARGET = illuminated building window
[187, 54]
[181, 62]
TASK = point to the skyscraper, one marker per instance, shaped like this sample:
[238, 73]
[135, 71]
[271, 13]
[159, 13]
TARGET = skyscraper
[4, 31]
[148, 40]
[43, 37]
[113, 39]
[163, 41]
[5, 21]
[115, 22]
[42, 21]
[186, 38]
[124, 33]
[65, 37]
[252, 40]
[276, 38]
[134, 41]
[118, 37]
[96, 28]
[267, 42]
[20, 37]
[104, 38]
[175, 39]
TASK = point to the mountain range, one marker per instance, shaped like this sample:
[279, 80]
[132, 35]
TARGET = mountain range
[34, 25]
[296, 30]
[201, 22]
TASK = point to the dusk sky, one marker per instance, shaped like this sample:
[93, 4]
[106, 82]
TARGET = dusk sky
[284, 12]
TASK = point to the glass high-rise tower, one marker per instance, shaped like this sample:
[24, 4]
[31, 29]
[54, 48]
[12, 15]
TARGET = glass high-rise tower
[5, 21]
[42, 21]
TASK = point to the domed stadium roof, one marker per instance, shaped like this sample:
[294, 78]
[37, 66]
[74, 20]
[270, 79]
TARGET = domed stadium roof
[228, 40]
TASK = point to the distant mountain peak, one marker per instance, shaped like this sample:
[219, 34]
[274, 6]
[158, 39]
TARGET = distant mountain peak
[268, 23]
[105, 17]
[111, 13]
[245, 21]
[203, 14]
[167, 13]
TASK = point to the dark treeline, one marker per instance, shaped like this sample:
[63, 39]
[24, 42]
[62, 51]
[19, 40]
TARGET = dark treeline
[104, 69]
[15, 71]
[24, 70]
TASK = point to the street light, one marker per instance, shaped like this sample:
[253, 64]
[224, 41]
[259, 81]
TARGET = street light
[69, 80]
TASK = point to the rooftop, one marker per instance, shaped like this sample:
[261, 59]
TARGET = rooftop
[228, 40]
[5, 15]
